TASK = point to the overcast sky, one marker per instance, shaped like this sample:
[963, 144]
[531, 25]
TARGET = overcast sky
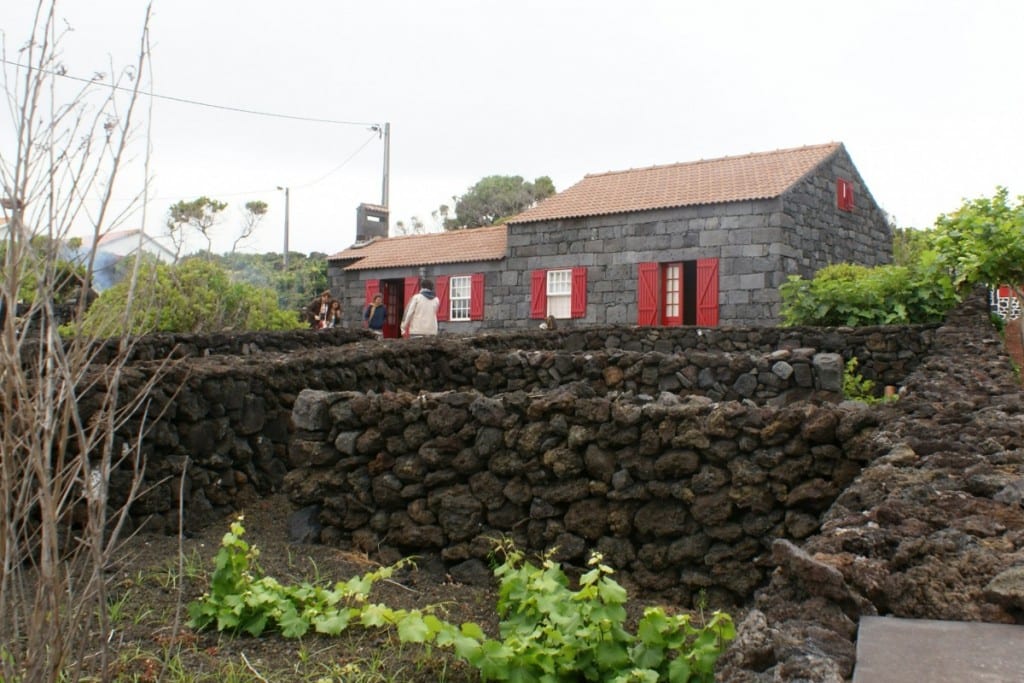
[925, 95]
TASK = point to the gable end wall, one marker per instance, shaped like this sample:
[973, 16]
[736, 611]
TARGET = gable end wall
[819, 234]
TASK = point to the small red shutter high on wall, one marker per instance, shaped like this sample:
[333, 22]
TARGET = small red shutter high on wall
[844, 194]
[647, 295]
[707, 292]
[441, 289]
[476, 296]
[578, 296]
[539, 294]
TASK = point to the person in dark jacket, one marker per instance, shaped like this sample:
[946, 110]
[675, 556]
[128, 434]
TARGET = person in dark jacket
[316, 313]
[375, 314]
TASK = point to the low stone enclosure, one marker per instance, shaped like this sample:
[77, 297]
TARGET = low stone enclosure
[717, 460]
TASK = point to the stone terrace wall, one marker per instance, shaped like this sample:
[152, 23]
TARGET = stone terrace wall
[679, 494]
[931, 529]
[225, 420]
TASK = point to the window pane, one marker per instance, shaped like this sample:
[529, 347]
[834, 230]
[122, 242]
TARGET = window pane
[559, 282]
[458, 295]
[672, 291]
[559, 293]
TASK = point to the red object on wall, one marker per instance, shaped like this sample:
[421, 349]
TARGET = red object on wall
[412, 286]
[372, 287]
[844, 194]
[441, 289]
[578, 296]
[707, 292]
[539, 294]
[647, 295]
[476, 296]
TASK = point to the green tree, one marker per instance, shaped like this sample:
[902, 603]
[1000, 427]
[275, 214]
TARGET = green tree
[982, 242]
[200, 214]
[197, 295]
[254, 213]
[910, 244]
[305, 278]
[494, 199]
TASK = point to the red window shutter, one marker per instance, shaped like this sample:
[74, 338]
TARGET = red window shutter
[647, 295]
[372, 287]
[707, 292]
[844, 194]
[412, 285]
[476, 296]
[578, 296]
[539, 294]
[441, 289]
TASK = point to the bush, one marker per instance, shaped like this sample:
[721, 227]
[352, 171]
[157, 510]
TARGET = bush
[197, 295]
[855, 296]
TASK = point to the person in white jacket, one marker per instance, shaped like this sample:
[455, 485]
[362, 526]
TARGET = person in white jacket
[420, 317]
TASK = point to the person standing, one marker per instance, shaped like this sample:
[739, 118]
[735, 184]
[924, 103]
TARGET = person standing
[420, 319]
[317, 311]
[333, 314]
[375, 314]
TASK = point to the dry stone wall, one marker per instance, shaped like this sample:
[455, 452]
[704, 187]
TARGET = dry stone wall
[219, 419]
[680, 494]
[932, 528]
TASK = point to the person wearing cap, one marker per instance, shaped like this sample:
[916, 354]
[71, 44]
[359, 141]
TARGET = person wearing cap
[420, 318]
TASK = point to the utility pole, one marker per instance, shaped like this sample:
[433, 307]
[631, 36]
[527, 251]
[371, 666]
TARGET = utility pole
[387, 164]
[286, 212]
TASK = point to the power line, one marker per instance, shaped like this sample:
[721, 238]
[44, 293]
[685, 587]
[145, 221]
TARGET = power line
[184, 100]
[311, 183]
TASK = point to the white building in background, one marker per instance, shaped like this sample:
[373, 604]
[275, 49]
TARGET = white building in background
[113, 247]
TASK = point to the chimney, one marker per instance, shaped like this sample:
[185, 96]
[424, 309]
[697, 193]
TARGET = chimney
[371, 222]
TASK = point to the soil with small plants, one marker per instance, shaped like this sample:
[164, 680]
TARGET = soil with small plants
[158, 575]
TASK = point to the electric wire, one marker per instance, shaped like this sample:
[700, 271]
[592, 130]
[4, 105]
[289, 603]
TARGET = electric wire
[184, 100]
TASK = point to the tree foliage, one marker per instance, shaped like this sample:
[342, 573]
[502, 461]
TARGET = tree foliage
[982, 242]
[495, 198]
[196, 295]
[255, 211]
[200, 214]
[305, 278]
[910, 244]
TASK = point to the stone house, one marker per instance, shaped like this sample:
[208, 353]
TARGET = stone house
[698, 243]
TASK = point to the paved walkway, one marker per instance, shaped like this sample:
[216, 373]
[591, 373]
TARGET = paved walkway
[891, 650]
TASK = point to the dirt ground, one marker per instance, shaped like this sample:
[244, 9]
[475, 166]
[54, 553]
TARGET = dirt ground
[152, 588]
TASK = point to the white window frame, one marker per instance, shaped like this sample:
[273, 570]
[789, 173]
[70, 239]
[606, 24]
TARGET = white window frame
[460, 290]
[559, 293]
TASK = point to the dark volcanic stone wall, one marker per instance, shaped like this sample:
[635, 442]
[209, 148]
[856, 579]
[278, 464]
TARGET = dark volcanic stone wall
[933, 528]
[682, 494]
[220, 414]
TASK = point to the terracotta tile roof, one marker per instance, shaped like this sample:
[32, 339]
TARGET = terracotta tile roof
[709, 181]
[458, 246]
